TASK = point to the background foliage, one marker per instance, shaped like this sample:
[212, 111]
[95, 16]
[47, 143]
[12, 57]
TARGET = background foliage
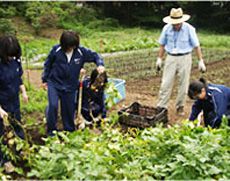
[103, 15]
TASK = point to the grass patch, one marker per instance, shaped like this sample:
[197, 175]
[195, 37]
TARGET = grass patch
[116, 39]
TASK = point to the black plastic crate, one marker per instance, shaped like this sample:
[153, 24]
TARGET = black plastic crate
[140, 116]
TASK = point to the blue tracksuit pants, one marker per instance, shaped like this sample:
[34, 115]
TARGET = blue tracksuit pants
[67, 100]
[13, 109]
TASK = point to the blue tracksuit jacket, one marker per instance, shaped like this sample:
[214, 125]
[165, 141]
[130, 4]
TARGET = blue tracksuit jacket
[216, 104]
[92, 101]
[10, 81]
[62, 78]
[63, 75]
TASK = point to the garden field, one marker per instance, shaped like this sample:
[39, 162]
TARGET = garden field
[181, 150]
[143, 85]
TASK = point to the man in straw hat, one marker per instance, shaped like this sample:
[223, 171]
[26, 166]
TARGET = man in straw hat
[178, 38]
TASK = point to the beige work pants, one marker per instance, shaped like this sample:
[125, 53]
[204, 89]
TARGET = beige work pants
[175, 65]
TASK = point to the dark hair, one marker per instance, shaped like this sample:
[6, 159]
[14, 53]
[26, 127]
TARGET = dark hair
[9, 47]
[98, 80]
[69, 39]
[195, 87]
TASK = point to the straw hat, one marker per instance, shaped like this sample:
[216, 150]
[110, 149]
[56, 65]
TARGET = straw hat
[176, 16]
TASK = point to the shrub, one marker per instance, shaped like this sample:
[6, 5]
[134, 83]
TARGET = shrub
[6, 27]
[104, 25]
[7, 12]
[48, 20]
[85, 15]
[41, 15]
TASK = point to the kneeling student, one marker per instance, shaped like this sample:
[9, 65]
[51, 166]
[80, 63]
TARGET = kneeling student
[212, 99]
[93, 101]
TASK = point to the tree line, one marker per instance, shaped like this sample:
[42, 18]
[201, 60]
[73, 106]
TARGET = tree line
[211, 15]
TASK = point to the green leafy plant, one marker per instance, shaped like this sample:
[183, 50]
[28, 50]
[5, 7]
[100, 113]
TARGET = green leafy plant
[112, 94]
[178, 152]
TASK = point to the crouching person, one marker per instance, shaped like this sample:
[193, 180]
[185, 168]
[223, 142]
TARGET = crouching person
[212, 99]
[93, 101]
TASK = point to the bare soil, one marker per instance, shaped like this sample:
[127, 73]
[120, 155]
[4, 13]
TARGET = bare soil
[145, 91]
[52, 33]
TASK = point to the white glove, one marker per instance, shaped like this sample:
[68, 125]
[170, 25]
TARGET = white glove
[201, 66]
[82, 71]
[100, 69]
[158, 63]
[3, 113]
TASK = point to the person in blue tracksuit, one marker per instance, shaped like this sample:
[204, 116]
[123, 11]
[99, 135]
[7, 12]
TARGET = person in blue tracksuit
[10, 84]
[61, 76]
[11, 81]
[212, 99]
[93, 101]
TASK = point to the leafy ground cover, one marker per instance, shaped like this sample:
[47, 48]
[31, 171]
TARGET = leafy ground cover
[177, 152]
[124, 39]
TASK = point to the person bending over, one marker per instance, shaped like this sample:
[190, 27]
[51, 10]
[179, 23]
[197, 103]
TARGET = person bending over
[212, 99]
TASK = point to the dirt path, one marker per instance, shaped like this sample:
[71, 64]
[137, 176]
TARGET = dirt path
[145, 91]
